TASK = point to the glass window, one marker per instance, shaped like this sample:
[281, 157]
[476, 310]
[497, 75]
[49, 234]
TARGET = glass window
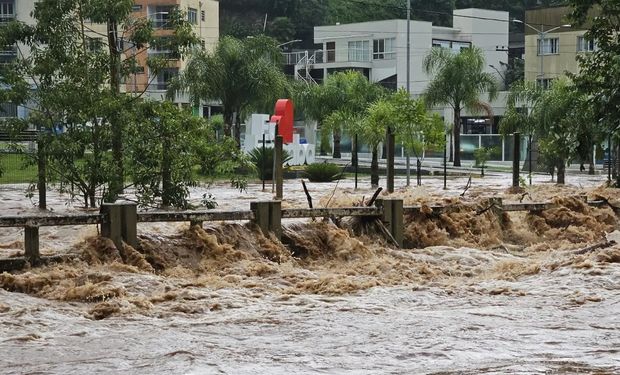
[455, 46]
[359, 50]
[545, 83]
[136, 8]
[331, 51]
[586, 45]
[384, 49]
[162, 17]
[7, 13]
[550, 46]
[192, 16]
[165, 76]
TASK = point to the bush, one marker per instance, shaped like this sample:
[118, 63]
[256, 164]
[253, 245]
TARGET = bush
[323, 172]
[257, 157]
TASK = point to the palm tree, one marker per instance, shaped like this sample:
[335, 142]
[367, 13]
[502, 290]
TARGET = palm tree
[459, 81]
[380, 116]
[339, 103]
[523, 97]
[242, 74]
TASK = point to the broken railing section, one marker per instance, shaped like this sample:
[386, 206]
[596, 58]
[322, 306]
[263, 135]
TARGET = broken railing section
[119, 220]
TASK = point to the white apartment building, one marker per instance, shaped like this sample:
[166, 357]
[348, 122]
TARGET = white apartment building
[378, 49]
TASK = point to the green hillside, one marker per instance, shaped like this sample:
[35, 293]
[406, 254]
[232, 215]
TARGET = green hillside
[294, 19]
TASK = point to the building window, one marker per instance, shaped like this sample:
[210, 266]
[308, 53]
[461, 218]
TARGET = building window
[165, 76]
[162, 47]
[330, 48]
[8, 110]
[7, 13]
[550, 46]
[383, 49]
[136, 8]
[162, 16]
[94, 44]
[203, 15]
[359, 50]
[192, 16]
[454, 45]
[545, 83]
[586, 45]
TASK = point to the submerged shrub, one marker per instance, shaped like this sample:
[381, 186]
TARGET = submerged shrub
[323, 172]
[257, 156]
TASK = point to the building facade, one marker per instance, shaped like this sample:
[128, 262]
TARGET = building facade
[379, 50]
[202, 14]
[561, 44]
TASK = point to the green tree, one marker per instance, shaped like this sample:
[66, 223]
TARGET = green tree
[560, 116]
[339, 103]
[241, 74]
[416, 128]
[459, 81]
[72, 87]
[599, 71]
[373, 129]
[523, 97]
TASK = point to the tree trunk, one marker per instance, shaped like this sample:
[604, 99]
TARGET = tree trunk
[228, 120]
[336, 154]
[561, 172]
[456, 130]
[374, 167]
[42, 173]
[166, 173]
[408, 159]
[117, 180]
[238, 129]
[450, 145]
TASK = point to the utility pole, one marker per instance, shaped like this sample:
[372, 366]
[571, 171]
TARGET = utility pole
[408, 83]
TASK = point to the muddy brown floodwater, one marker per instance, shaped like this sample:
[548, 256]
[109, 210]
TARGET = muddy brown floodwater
[473, 294]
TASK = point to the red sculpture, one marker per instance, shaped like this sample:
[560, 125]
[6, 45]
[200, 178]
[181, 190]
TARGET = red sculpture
[284, 118]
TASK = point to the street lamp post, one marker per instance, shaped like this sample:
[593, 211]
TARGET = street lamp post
[541, 38]
[289, 42]
[503, 77]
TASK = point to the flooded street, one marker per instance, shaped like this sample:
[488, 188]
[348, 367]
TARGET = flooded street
[473, 297]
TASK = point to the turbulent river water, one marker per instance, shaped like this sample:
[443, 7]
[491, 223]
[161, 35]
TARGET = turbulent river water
[474, 295]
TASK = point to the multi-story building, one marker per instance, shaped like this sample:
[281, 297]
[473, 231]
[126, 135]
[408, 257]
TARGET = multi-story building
[202, 14]
[379, 50]
[552, 44]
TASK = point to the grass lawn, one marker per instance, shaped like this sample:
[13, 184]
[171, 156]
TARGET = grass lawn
[15, 169]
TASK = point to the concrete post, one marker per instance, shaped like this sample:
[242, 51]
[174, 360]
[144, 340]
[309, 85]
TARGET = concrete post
[278, 166]
[275, 218]
[129, 223]
[390, 161]
[31, 243]
[268, 217]
[516, 158]
[111, 227]
[398, 221]
[393, 217]
[261, 215]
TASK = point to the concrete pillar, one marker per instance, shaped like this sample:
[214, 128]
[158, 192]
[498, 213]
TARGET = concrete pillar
[516, 158]
[129, 223]
[390, 161]
[31, 243]
[278, 166]
[268, 217]
[393, 217]
[111, 227]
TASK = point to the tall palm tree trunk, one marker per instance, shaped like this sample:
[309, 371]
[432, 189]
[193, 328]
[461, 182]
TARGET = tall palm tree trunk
[228, 120]
[456, 130]
[337, 136]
